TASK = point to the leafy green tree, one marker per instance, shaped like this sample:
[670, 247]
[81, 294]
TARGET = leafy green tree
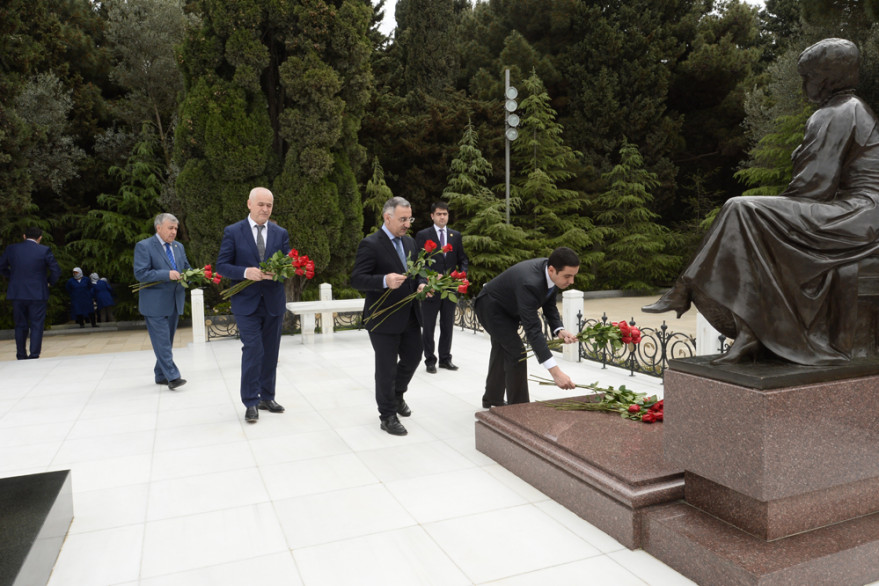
[425, 34]
[275, 95]
[377, 192]
[492, 245]
[771, 168]
[636, 246]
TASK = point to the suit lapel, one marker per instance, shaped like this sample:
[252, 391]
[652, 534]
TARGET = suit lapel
[389, 248]
[161, 248]
[247, 232]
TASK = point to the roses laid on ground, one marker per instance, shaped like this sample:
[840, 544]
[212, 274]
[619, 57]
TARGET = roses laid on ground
[630, 405]
[281, 266]
[444, 285]
[188, 278]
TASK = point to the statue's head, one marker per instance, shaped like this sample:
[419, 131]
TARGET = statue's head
[827, 67]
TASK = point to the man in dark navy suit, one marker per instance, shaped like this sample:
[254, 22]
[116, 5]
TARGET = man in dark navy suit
[161, 258]
[259, 308]
[380, 264]
[26, 264]
[455, 260]
[513, 298]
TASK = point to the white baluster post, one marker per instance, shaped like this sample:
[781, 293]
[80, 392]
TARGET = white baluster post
[572, 304]
[198, 329]
[326, 318]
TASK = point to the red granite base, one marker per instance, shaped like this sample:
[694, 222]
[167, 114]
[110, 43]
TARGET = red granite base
[712, 552]
[606, 469]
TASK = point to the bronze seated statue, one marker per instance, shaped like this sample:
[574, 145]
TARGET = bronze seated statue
[780, 273]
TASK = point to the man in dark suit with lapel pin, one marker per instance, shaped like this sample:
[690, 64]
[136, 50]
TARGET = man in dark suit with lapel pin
[162, 258]
[455, 260]
[380, 264]
[259, 308]
[26, 265]
[513, 298]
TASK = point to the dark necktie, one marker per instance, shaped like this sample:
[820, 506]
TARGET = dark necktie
[170, 256]
[260, 243]
[443, 239]
[398, 244]
[550, 293]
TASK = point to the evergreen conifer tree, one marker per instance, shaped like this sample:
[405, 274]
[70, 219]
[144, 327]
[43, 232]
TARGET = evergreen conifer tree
[635, 247]
[491, 244]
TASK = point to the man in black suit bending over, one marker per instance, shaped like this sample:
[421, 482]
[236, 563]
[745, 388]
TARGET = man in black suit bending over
[455, 260]
[513, 298]
[396, 338]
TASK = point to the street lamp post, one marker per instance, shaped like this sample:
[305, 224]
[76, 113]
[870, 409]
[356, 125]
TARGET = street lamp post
[511, 121]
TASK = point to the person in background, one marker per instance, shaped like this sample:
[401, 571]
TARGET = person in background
[103, 294]
[82, 305]
[31, 269]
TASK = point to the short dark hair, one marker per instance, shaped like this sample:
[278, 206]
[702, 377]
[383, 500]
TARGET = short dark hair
[563, 257]
[439, 205]
[32, 232]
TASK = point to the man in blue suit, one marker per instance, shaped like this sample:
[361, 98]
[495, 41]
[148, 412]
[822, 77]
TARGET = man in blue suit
[259, 308]
[162, 258]
[25, 265]
[380, 264]
[441, 262]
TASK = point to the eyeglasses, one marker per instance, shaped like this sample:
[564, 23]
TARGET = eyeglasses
[406, 220]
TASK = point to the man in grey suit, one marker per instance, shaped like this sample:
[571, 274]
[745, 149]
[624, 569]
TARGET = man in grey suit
[26, 265]
[162, 258]
[513, 298]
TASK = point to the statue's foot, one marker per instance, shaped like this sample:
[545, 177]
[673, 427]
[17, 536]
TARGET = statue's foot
[745, 348]
[677, 299]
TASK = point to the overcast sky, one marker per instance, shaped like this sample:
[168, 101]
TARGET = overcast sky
[388, 23]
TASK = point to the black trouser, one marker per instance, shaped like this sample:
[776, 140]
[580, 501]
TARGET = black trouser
[396, 358]
[506, 368]
[446, 310]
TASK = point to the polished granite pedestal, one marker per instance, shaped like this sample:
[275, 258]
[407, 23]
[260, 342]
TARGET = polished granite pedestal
[761, 476]
[606, 469]
[35, 513]
[781, 475]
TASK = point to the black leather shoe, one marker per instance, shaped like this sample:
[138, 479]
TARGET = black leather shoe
[448, 365]
[177, 382]
[251, 415]
[431, 368]
[393, 426]
[270, 406]
[161, 382]
[487, 405]
[402, 408]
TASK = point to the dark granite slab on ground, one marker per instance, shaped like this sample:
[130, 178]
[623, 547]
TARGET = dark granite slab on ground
[604, 468]
[35, 513]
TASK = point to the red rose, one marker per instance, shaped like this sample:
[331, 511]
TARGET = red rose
[207, 273]
[309, 274]
[207, 267]
[658, 406]
[217, 279]
[430, 246]
[658, 415]
[447, 248]
[300, 272]
[627, 339]
[648, 417]
[292, 253]
[462, 288]
[624, 327]
[634, 408]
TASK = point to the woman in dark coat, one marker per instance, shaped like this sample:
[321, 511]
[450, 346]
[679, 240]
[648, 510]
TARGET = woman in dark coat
[81, 304]
[780, 273]
[103, 294]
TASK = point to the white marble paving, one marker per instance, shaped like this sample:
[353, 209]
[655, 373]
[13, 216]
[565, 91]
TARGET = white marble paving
[172, 488]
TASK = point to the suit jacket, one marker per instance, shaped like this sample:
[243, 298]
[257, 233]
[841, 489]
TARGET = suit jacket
[238, 252]
[519, 292]
[376, 257]
[152, 264]
[444, 263]
[26, 264]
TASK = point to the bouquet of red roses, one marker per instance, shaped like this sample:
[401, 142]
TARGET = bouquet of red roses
[630, 405]
[280, 266]
[444, 285]
[600, 334]
[188, 278]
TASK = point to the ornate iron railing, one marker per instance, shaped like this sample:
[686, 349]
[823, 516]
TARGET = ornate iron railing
[224, 326]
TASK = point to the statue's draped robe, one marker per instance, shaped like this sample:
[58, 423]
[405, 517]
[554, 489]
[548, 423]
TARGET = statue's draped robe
[787, 265]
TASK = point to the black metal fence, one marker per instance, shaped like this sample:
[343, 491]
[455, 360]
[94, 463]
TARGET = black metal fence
[651, 356]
